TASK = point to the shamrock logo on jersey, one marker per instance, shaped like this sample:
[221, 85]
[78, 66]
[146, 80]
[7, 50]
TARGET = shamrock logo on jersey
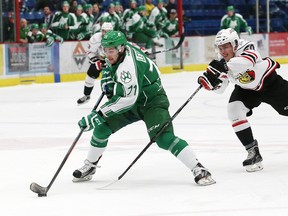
[247, 77]
[126, 76]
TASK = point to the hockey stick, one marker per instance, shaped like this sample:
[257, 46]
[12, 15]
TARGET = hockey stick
[182, 37]
[154, 138]
[42, 191]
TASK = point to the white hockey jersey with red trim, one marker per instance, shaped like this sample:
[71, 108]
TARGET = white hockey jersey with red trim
[94, 47]
[247, 69]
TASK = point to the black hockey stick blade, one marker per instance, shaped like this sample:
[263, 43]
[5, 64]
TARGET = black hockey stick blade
[36, 188]
[182, 37]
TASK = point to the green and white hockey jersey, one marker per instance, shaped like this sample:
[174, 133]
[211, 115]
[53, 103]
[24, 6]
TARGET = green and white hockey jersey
[62, 23]
[137, 82]
[113, 18]
[171, 27]
[158, 17]
[35, 37]
[236, 22]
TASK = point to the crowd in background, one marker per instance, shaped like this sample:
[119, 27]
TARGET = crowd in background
[135, 20]
[79, 20]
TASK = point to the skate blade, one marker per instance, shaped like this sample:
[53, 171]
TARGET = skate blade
[254, 168]
[84, 179]
[208, 180]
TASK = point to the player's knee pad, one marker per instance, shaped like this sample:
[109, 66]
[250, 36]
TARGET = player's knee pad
[237, 112]
[89, 81]
[169, 141]
[100, 135]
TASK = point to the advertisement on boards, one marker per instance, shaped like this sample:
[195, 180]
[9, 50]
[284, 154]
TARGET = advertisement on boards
[278, 44]
[29, 58]
[73, 57]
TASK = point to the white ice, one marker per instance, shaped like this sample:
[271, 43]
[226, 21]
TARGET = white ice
[38, 124]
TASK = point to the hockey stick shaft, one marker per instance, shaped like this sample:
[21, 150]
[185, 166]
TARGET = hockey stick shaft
[42, 191]
[182, 37]
[160, 132]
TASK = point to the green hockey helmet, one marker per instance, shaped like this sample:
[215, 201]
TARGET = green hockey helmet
[113, 39]
[141, 8]
[34, 26]
[43, 25]
[87, 7]
[230, 8]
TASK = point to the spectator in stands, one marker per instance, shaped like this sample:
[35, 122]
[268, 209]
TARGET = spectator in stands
[96, 12]
[48, 16]
[149, 7]
[24, 30]
[171, 26]
[140, 29]
[8, 27]
[48, 36]
[97, 26]
[158, 16]
[73, 7]
[34, 35]
[119, 9]
[86, 32]
[112, 17]
[79, 22]
[129, 12]
[171, 5]
[235, 21]
[63, 22]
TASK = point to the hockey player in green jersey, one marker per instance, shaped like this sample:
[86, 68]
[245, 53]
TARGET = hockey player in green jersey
[48, 36]
[63, 22]
[235, 21]
[140, 29]
[158, 16]
[134, 90]
[171, 26]
[35, 35]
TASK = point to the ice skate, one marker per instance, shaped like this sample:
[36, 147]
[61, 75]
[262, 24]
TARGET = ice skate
[202, 175]
[253, 161]
[86, 172]
[83, 99]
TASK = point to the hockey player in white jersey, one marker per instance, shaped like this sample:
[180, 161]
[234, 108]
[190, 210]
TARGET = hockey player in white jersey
[96, 60]
[255, 80]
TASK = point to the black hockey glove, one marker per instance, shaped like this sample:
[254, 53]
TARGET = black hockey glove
[107, 84]
[218, 67]
[98, 63]
[209, 80]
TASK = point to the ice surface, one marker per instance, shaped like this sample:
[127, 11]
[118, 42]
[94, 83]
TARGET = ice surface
[38, 124]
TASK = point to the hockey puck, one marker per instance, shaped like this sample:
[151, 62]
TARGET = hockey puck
[42, 195]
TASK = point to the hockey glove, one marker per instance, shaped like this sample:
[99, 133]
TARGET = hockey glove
[217, 67]
[249, 30]
[91, 121]
[80, 36]
[95, 60]
[107, 83]
[49, 41]
[210, 80]
[59, 39]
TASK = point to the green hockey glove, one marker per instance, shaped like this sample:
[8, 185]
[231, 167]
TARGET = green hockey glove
[91, 121]
[80, 36]
[107, 83]
[249, 30]
[49, 41]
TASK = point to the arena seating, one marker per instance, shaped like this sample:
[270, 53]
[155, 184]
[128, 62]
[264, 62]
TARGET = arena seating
[202, 17]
